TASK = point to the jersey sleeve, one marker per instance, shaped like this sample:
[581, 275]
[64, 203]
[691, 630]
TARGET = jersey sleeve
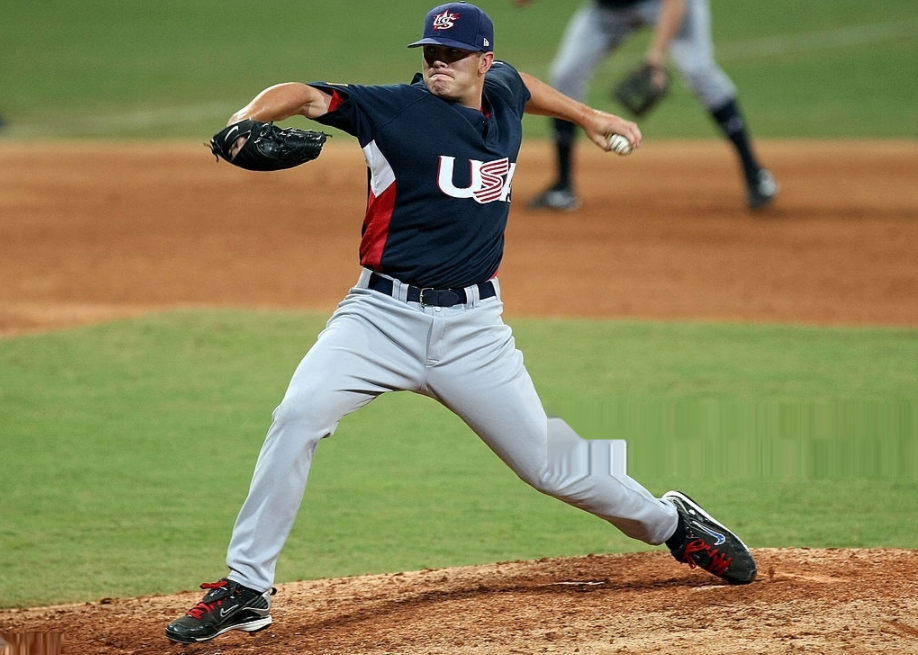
[362, 111]
[342, 114]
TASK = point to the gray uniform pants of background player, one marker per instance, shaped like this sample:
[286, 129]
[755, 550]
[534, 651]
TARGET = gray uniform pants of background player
[464, 357]
[594, 31]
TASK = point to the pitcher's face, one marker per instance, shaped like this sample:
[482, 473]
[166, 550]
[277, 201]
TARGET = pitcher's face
[454, 74]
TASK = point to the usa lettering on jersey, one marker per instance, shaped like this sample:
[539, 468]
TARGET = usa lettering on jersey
[489, 181]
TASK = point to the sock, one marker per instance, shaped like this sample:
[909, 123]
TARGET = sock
[731, 123]
[675, 542]
[564, 133]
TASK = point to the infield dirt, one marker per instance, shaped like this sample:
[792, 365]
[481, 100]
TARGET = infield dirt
[91, 232]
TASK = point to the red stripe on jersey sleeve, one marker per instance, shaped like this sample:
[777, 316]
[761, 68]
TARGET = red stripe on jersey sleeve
[335, 101]
[376, 228]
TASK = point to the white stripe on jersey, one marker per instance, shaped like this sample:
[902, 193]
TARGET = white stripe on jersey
[381, 174]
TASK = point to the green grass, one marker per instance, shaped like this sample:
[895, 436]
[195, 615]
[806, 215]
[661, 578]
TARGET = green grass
[128, 69]
[127, 448]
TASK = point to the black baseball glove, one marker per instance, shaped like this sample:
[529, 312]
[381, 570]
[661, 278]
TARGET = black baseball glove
[639, 91]
[266, 147]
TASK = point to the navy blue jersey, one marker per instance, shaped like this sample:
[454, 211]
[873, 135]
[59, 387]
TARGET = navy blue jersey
[439, 176]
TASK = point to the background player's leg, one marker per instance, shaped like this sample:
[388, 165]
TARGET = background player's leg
[693, 54]
[589, 36]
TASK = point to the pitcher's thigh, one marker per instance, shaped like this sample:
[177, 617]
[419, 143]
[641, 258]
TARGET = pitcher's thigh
[350, 364]
[498, 401]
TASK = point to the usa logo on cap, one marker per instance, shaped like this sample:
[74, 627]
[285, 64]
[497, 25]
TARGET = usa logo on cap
[445, 20]
[458, 25]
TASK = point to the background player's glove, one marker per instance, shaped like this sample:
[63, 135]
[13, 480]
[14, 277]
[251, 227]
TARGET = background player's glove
[267, 147]
[642, 88]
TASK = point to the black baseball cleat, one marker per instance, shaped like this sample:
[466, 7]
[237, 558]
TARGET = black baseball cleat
[227, 606]
[762, 190]
[708, 544]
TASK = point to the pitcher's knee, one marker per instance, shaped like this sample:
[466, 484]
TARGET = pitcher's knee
[557, 484]
[304, 418]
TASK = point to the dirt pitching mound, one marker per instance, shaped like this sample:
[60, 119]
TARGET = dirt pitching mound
[804, 601]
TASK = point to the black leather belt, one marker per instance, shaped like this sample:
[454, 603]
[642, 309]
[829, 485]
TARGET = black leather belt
[428, 296]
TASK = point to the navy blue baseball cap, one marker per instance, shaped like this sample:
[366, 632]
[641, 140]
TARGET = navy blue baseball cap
[458, 25]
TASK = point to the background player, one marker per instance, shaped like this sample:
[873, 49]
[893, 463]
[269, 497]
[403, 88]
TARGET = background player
[425, 314]
[683, 29]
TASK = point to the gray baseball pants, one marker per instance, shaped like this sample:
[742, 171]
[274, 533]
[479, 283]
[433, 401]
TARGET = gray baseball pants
[464, 357]
[593, 32]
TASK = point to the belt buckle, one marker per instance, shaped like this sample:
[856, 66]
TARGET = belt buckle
[421, 296]
[441, 297]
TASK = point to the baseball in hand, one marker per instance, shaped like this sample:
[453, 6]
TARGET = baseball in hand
[619, 144]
